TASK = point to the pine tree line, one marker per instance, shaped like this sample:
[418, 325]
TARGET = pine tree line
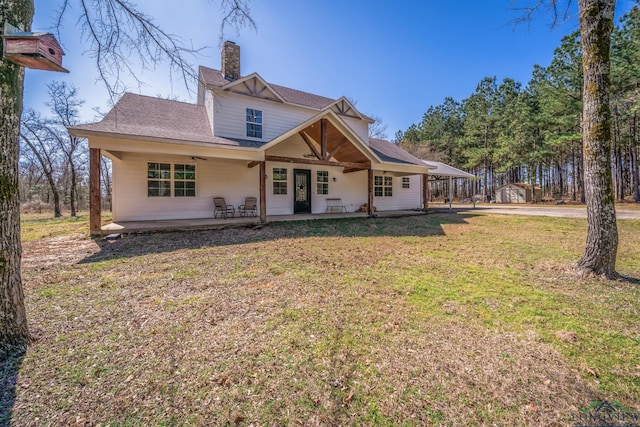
[506, 133]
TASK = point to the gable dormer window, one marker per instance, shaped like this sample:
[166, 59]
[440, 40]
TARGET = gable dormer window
[254, 123]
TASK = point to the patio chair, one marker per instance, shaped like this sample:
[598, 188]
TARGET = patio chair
[250, 207]
[220, 207]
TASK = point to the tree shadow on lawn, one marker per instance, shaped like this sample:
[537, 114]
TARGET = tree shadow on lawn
[9, 368]
[628, 279]
[158, 242]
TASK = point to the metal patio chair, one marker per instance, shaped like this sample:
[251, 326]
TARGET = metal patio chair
[250, 207]
[220, 207]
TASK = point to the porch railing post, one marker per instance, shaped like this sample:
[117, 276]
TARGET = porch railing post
[425, 192]
[370, 192]
[263, 192]
[95, 199]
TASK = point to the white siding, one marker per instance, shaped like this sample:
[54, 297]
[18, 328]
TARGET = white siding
[403, 198]
[208, 103]
[230, 116]
[230, 179]
[360, 127]
[351, 188]
[234, 181]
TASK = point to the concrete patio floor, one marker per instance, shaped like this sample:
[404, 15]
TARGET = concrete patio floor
[213, 223]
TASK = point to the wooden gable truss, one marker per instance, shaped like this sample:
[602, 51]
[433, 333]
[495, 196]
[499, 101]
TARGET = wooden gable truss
[253, 85]
[344, 107]
[330, 148]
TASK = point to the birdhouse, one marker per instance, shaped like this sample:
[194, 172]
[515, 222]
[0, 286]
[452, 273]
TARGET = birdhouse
[40, 51]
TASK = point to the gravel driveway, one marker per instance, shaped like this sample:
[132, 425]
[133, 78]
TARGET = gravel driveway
[541, 210]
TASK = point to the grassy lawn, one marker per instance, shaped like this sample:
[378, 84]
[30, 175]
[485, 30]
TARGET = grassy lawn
[453, 320]
[39, 226]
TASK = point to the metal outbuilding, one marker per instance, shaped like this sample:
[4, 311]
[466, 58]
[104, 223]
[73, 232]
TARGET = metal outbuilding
[518, 193]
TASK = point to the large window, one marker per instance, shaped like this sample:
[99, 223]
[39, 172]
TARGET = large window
[383, 186]
[184, 180]
[322, 185]
[254, 123]
[279, 181]
[160, 180]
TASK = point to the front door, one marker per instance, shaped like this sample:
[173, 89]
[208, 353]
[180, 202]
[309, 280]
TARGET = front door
[302, 191]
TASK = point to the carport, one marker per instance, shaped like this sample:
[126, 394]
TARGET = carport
[444, 171]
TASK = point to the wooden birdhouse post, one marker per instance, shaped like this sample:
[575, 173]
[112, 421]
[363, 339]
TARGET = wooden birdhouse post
[40, 51]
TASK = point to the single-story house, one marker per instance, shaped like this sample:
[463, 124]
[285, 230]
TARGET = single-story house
[518, 193]
[245, 137]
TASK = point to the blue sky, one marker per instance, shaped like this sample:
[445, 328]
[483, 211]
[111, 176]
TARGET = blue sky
[395, 59]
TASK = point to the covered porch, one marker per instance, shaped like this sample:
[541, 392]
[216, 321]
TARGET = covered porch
[293, 163]
[125, 227]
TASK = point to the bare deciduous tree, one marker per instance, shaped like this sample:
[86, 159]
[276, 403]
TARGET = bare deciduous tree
[65, 106]
[119, 35]
[37, 138]
[378, 129]
[124, 41]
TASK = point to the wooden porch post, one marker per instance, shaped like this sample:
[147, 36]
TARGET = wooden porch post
[370, 195]
[95, 199]
[263, 192]
[425, 192]
[323, 139]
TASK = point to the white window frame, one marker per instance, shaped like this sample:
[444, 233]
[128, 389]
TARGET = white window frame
[166, 179]
[322, 183]
[277, 178]
[161, 175]
[383, 186]
[253, 123]
[184, 180]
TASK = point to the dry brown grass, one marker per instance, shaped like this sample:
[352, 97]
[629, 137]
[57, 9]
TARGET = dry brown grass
[438, 320]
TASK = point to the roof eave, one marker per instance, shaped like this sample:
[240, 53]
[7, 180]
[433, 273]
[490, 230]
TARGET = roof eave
[407, 168]
[87, 133]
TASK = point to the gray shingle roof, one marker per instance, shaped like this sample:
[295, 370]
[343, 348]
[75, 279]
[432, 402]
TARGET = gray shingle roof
[215, 78]
[149, 117]
[389, 152]
[302, 98]
[145, 116]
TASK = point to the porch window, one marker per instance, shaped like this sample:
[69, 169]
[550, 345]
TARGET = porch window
[405, 182]
[159, 179]
[279, 181]
[322, 185]
[383, 186]
[184, 180]
[254, 123]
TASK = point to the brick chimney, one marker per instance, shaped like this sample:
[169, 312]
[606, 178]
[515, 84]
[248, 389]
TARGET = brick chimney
[231, 61]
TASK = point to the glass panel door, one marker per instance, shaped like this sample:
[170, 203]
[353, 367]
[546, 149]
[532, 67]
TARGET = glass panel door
[302, 191]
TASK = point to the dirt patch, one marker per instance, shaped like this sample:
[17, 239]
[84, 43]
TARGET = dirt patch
[61, 250]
